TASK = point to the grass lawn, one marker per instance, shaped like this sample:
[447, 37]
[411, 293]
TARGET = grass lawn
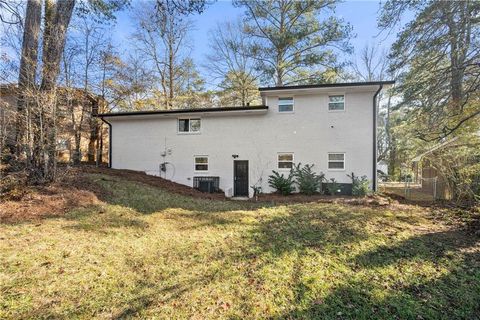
[147, 253]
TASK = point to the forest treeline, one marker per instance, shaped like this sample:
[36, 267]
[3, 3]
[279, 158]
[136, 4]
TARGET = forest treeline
[64, 65]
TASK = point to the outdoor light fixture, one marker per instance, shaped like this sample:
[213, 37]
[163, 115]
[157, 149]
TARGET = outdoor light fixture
[234, 156]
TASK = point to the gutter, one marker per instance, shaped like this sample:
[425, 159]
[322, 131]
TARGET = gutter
[327, 85]
[109, 141]
[182, 111]
[374, 176]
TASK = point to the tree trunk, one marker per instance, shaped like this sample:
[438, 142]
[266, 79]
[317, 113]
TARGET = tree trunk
[57, 19]
[392, 159]
[100, 148]
[28, 67]
[76, 151]
[170, 77]
[92, 143]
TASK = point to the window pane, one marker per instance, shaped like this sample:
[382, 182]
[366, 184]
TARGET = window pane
[285, 157]
[335, 165]
[201, 167]
[201, 160]
[339, 98]
[285, 101]
[201, 163]
[285, 165]
[285, 104]
[336, 106]
[183, 125]
[336, 156]
[194, 125]
[285, 108]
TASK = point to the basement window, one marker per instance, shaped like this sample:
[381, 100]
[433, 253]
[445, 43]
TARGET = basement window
[191, 125]
[336, 161]
[285, 160]
[336, 103]
[285, 104]
[201, 163]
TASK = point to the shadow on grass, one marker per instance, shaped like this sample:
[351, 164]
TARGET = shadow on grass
[369, 294]
[99, 219]
[452, 296]
[316, 227]
[426, 247]
[147, 199]
[148, 295]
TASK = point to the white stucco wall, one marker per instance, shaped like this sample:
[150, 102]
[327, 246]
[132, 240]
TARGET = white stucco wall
[310, 132]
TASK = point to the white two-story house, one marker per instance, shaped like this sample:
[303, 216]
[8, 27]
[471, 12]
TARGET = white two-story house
[332, 126]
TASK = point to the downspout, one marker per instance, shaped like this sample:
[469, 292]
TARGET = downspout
[374, 175]
[109, 141]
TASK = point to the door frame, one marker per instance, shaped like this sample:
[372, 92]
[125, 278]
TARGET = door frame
[234, 181]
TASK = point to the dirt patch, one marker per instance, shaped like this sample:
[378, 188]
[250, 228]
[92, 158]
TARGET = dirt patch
[43, 202]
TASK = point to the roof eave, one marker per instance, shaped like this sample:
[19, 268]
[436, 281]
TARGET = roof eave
[327, 85]
[183, 111]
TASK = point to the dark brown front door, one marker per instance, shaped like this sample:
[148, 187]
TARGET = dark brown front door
[240, 178]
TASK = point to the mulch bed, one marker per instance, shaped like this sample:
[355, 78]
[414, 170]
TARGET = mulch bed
[374, 200]
[45, 201]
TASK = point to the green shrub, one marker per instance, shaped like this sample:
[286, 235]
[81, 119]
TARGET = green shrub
[282, 184]
[333, 187]
[307, 180]
[360, 185]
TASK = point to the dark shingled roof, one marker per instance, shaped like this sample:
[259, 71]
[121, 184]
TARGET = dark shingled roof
[179, 111]
[328, 85]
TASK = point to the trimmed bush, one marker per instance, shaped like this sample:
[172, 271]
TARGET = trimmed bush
[307, 180]
[360, 185]
[333, 187]
[282, 184]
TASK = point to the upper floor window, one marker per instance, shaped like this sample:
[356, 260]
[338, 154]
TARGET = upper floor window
[285, 104]
[336, 102]
[285, 160]
[189, 125]
[201, 163]
[336, 161]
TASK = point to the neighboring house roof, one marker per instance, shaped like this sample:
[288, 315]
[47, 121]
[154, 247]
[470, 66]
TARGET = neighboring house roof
[328, 85]
[180, 111]
[12, 89]
[434, 148]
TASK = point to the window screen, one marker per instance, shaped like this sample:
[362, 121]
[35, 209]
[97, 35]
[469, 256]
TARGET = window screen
[285, 104]
[285, 160]
[336, 161]
[336, 103]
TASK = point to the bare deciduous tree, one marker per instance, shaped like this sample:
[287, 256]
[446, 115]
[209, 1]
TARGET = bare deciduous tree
[161, 36]
[231, 62]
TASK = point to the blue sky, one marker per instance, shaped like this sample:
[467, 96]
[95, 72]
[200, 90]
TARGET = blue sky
[361, 14]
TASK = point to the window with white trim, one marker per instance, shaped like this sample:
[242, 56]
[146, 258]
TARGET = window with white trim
[201, 163]
[336, 102]
[285, 160]
[285, 104]
[189, 125]
[336, 161]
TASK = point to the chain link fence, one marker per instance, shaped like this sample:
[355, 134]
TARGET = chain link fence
[426, 189]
